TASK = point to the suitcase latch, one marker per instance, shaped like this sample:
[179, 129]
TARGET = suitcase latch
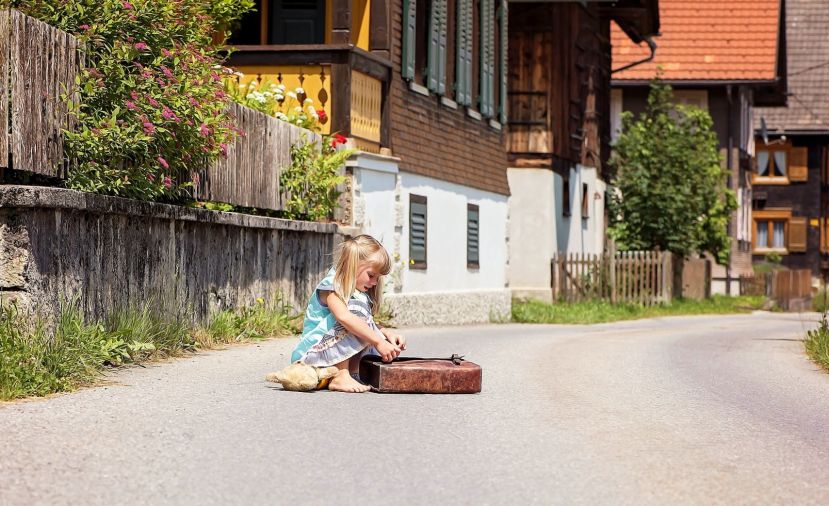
[456, 359]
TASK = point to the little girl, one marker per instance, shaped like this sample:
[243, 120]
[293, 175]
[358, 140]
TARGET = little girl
[339, 326]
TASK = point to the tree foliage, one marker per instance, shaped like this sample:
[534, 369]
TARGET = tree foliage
[671, 191]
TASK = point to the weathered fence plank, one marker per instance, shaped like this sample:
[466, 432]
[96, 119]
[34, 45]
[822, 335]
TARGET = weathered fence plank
[42, 65]
[249, 175]
[5, 40]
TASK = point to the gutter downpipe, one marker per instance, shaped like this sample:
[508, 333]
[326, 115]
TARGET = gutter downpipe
[651, 45]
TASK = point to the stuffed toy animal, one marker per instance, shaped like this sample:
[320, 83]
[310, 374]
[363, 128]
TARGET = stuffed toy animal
[300, 377]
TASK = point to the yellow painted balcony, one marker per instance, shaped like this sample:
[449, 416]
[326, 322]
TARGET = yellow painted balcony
[348, 83]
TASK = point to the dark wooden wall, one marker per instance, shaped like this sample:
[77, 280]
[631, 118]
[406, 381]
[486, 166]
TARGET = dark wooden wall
[442, 141]
[559, 85]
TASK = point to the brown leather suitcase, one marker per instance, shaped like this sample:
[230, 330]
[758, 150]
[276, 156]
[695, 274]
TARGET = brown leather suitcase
[422, 375]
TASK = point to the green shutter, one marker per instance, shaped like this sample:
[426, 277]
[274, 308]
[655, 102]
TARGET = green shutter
[409, 34]
[432, 69]
[442, 28]
[463, 69]
[504, 57]
[487, 57]
[472, 236]
[417, 231]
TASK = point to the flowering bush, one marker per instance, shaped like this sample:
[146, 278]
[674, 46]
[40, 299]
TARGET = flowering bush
[312, 178]
[273, 99]
[152, 103]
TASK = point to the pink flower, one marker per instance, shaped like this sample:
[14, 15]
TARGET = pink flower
[149, 128]
[204, 130]
[168, 182]
[168, 114]
[134, 95]
[166, 53]
[163, 163]
[153, 102]
[127, 6]
[84, 27]
[150, 177]
[220, 94]
[194, 102]
[167, 72]
[130, 105]
[141, 46]
[223, 149]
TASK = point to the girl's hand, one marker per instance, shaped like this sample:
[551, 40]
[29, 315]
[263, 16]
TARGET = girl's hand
[387, 351]
[395, 338]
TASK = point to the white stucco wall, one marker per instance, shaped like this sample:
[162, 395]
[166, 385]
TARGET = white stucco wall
[532, 232]
[574, 233]
[446, 237]
[447, 291]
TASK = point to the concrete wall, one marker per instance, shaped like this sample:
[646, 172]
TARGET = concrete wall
[533, 240]
[112, 252]
[447, 291]
[578, 233]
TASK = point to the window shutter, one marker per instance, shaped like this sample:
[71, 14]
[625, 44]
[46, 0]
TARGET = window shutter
[504, 56]
[824, 237]
[472, 238]
[409, 33]
[434, 43]
[797, 234]
[799, 164]
[487, 57]
[460, 51]
[442, 29]
[417, 231]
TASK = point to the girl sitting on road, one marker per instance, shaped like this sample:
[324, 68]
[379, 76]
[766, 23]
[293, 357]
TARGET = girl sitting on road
[339, 326]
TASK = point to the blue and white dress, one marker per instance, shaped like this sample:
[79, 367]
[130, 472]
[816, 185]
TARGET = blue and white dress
[324, 340]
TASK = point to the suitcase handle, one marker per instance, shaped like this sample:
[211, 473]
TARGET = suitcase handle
[455, 359]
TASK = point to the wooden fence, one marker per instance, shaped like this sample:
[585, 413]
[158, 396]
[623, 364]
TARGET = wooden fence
[38, 64]
[249, 176]
[644, 277]
[41, 63]
[790, 289]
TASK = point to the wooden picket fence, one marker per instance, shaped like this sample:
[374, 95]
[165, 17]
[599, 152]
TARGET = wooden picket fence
[39, 64]
[644, 277]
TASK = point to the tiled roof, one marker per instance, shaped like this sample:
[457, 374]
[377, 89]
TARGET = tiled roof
[807, 58]
[706, 40]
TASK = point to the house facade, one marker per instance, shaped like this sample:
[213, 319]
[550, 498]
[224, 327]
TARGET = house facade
[419, 88]
[559, 130]
[791, 165]
[727, 58]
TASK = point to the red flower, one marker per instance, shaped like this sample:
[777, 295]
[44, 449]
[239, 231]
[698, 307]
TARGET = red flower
[338, 139]
[323, 117]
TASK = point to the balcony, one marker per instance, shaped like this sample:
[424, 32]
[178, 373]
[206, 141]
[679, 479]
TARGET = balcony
[349, 83]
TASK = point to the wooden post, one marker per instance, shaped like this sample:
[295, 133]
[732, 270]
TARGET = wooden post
[612, 267]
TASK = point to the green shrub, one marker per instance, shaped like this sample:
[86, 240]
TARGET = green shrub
[152, 104]
[312, 178]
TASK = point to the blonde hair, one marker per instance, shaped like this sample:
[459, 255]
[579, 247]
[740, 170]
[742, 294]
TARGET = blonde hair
[348, 257]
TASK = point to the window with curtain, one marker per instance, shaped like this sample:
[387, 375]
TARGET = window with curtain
[771, 234]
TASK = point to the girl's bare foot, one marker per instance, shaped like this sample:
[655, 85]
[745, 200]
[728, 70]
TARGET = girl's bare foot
[343, 382]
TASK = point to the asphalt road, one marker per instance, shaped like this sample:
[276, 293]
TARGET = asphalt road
[686, 410]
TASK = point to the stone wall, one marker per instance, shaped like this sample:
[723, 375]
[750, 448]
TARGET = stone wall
[112, 252]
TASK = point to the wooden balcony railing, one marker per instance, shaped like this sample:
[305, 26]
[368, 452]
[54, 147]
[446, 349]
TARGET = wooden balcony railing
[350, 84]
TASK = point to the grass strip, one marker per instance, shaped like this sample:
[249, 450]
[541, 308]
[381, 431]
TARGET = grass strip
[817, 343]
[587, 312]
[38, 359]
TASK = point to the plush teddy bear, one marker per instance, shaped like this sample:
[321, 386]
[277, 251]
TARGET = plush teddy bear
[300, 377]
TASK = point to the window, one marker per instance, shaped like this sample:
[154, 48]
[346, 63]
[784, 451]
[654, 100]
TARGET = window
[475, 31]
[585, 201]
[777, 230]
[779, 163]
[472, 236]
[696, 98]
[565, 196]
[417, 232]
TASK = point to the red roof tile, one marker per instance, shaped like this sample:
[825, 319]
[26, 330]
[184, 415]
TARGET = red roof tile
[706, 40]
